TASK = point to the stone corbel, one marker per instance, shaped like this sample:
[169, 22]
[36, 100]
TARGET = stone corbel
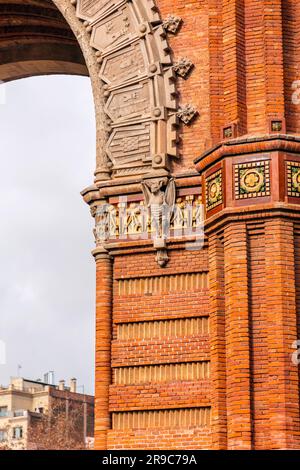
[162, 257]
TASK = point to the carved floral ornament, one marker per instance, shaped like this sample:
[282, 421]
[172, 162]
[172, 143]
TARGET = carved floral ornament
[187, 113]
[183, 67]
[139, 84]
[172, 23]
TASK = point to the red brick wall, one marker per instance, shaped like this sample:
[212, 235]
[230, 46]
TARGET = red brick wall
[246, 58]
[259, 354]
[155, 439]
[246, 281]
[151, 307]
[192, 42]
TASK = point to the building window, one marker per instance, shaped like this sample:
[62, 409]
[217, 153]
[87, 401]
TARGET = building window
[18, 432]
[3, 411]
[3, 435]
[39, 410]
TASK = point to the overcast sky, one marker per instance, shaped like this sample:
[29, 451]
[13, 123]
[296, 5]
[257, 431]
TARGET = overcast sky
[47, 143]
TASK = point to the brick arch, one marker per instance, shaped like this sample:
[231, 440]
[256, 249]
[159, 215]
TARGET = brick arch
[42, 37]
[36, 39]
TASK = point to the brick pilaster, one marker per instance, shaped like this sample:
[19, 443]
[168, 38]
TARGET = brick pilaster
[234, 64]
[237, 337]
[291, 53]
[264, 63]
[283, 396]
[103, 346]
[217, 332]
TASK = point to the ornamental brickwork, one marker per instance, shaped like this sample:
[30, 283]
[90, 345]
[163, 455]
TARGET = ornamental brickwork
[196, 207]
[204, 321]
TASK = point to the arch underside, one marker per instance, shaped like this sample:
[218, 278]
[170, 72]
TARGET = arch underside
[35, 39]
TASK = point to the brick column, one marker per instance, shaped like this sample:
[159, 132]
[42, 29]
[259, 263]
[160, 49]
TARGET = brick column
[234, 65]
[237, 337]
[103, 346]
[283, 396]
[217, 341]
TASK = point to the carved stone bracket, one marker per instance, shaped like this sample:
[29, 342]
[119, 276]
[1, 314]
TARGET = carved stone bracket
[187, 113]
[139, 83]
[161, 257]
[172, 23]
[183, 67]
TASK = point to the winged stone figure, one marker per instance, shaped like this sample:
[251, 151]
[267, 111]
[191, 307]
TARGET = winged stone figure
[160, 197]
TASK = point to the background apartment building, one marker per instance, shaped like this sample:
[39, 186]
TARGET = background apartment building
[26, 404]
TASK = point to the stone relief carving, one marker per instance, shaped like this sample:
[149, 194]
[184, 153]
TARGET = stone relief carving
[183, 67]
[172, 23]
[139, 83]
[90, 9]
[125, 65]
[129, 103]
[129, 148]
[160, 198]
[187, 113]
[157, 217]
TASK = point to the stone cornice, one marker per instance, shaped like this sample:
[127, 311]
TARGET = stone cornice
[251, 214]
[242, 146]
[145, 246]
[100, 191]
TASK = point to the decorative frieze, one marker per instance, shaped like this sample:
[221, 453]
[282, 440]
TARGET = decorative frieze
[134, 220]
[162, 328]
[252, 180]
[214, 190]
[293, 179]
[161, 373]
[168, 283]
[196, 417]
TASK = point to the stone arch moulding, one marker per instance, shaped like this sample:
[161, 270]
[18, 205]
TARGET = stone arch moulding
[134, 85]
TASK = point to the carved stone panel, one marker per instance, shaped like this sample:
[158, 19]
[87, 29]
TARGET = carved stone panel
[91, 9]
[124, 65]
[129, 148]
[129, 103]
[118, 27]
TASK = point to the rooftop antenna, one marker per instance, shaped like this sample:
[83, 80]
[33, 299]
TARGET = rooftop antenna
[19, 370]
[82, 387]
